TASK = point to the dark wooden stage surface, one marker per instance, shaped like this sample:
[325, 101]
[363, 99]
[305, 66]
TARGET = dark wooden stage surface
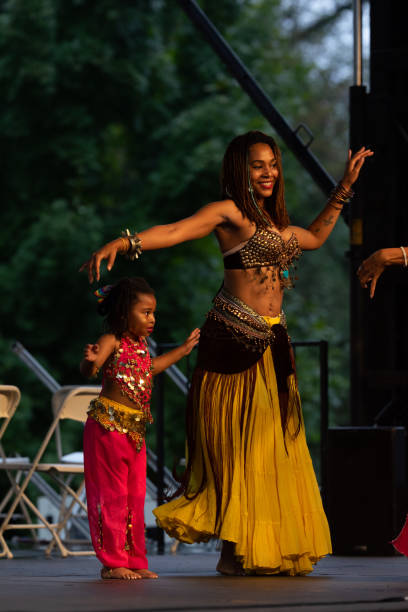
[188, 582]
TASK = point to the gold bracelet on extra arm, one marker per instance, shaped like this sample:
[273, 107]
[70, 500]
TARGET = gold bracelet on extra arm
[405, 264]
[135, 249]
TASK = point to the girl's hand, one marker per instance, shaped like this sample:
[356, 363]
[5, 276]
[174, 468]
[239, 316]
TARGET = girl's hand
[191, 341]
[91, 352]
[164, 361]
[109, 252]
[354, 165]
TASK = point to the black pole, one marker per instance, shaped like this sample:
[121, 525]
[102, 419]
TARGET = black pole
[323, 347]
[357, 139]
[324, 413]
[258, 95]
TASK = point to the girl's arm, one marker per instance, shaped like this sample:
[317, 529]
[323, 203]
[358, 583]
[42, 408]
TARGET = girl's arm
[95, 355]
[372, 267]
[317, 233]
[202, 223]
[162, 362]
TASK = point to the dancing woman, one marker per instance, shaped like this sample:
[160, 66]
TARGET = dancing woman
[249, 479]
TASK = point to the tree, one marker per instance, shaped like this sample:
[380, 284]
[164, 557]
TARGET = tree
[118, 115]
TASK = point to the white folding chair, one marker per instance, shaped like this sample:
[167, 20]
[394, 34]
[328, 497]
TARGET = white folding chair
[68, 403]
[74, 402]
[9, 400]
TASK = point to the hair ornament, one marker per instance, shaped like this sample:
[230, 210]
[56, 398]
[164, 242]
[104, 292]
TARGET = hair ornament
[102, 292]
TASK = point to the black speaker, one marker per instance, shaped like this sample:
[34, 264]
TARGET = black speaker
[366, 488]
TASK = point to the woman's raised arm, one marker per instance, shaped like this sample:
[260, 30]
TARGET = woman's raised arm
[317, 233]
[202, 223]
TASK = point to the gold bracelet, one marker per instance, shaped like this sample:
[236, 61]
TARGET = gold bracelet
[341, 195]
[135, 249]
[126, 245]
[405, 264]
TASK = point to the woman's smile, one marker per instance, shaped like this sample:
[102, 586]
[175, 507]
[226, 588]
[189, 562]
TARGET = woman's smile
[267, 184]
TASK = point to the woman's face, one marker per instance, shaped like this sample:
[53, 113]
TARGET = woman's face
[263, 170]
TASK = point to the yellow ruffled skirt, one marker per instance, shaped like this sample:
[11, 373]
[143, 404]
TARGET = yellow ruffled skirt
[271, 506]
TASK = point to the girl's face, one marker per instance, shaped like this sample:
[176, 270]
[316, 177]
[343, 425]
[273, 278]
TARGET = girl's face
[141, 315]
[263, 170]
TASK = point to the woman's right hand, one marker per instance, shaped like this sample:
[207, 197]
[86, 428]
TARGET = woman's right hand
[109, 252]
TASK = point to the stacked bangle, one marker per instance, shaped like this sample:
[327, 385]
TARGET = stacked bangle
[340, 195]
[135, 249]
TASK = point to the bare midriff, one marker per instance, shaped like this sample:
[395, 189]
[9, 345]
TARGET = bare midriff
[256, 287]
[112, 391]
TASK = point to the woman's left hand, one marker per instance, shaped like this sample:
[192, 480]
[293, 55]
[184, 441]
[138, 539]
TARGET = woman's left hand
[354, 165]
[371, 269]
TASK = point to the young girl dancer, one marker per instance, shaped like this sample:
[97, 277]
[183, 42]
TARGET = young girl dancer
[114, 446]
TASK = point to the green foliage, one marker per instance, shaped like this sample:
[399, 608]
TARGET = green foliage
[117, 115]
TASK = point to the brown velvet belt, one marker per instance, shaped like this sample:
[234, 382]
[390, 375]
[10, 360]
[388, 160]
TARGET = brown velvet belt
[234, 337]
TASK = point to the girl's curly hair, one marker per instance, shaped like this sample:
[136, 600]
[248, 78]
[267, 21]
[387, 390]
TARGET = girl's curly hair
[116, 305]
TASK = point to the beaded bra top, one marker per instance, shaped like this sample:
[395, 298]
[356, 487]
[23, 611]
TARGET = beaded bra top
[265, 248]
[130, 368]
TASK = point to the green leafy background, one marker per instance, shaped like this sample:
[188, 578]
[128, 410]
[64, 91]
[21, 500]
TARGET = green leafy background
[117, 114]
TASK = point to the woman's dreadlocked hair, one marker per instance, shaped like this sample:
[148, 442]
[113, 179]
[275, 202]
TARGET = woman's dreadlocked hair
[235, 184]
[117, 303]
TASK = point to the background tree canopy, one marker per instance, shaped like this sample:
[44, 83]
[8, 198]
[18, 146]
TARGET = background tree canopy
[117, 114]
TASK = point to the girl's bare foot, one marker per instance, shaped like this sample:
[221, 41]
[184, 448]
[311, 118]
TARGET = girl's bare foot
[228, 564]
[118, 573]
[145, 573]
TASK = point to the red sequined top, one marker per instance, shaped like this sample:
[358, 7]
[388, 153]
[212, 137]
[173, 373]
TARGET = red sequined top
[130, 367]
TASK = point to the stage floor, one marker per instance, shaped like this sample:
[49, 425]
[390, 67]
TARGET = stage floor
[188, 582]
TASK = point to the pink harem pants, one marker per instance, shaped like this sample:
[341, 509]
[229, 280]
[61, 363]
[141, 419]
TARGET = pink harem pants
[115, 480]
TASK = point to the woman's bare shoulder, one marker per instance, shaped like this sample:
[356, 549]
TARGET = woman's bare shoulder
[229, 212]
[287, 232]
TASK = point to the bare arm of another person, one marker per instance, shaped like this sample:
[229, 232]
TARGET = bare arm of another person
[372, 267]
[202, 223]
[317, 233]
[164, 361]
[96, 354]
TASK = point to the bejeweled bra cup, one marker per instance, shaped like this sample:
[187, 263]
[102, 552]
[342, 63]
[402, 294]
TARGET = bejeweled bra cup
[264, 248]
